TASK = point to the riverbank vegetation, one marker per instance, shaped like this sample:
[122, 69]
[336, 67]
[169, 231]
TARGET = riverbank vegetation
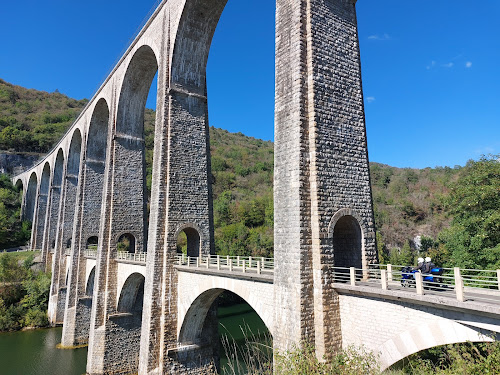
[24, 293]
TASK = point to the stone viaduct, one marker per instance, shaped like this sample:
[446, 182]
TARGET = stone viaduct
[145, 311]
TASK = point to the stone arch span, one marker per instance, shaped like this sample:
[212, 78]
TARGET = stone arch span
[89, 283]
[440, 332]
[195, 302]
[132, 294]
[31, 197]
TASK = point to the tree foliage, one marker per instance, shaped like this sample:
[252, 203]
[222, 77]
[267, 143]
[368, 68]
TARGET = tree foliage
[473, 239]
[13, 232]
[24, 294]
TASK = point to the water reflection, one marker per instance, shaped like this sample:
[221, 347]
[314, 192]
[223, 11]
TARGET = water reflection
[35, 353]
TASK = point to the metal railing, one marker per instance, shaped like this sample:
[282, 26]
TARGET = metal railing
[460, 284]
[90, 253]
[241, 264]
[131, 257]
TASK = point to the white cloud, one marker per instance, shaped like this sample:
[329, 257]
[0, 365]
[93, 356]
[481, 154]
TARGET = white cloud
[385, 36]
[370, 99]
[448, 65]
[468, 64]
[431, 65]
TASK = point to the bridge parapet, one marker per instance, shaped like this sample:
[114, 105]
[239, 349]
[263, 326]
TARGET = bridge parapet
[90, 253]
[139, 257]
[236, 264]
[463, 285]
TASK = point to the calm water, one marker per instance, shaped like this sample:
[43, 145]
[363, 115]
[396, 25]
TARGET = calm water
[35, 352]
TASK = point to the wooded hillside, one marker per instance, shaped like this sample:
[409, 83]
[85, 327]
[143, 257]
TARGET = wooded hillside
[412, 206]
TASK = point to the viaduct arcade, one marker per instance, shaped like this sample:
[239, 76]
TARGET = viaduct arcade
[147, 311]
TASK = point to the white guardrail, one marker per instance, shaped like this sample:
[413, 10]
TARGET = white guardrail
[462, 284]
[131, 257]
[230, 263]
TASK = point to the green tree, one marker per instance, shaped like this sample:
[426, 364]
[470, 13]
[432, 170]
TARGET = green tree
[473, 239]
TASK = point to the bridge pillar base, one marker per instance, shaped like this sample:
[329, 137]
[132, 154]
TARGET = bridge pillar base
[77, 323]
[116, 346]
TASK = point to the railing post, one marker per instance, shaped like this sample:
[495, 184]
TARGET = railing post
[189, 260]
[419, 283]
[238, 261]
[389, 272]
[244, 266]
[218, 262]
[227, 260]
[498, 279]
[197, 262]
[352, 271]
[258, 267]
[208, 261]
[249, 262]
[230, 264]
[459, 285]
[383, 276]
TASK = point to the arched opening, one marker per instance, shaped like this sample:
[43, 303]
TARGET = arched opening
[89, 289]
[92, 243]
[41, 213]
[241, 336]
[131, 171]
[19, 185]
[188, 242]
[55, 198]
[30, 197]
[70, 194]
[347, 243]
[126, 243]
[132, 296]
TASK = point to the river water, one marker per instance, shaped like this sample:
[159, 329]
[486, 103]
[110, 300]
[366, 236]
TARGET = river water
[35, 353]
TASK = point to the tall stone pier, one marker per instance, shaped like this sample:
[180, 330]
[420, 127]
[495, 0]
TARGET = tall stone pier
[115, 281]
[322, 198]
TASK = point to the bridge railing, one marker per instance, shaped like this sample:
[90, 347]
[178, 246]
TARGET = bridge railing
[462, 284]
[242, 264]
[90, 253]
[131, 257]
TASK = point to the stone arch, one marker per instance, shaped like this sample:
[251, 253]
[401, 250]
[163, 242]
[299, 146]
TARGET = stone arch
[41, 210]
[92, 241]
[194, 238]
[45, 180]
[58, 168]
[75, 149]
[437, 333]
[89, 285]
[191, 323]
[72, 175]
[126, 242]
[31, 197]
[347, 237]
[134, 92]
[97, 136]
[19, 185]
[132, 295]
[192, 46]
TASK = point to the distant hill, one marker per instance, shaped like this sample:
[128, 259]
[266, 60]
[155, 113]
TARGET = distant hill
[407, 202]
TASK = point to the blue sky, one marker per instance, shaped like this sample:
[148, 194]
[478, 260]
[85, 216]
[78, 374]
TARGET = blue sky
[430, 67]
